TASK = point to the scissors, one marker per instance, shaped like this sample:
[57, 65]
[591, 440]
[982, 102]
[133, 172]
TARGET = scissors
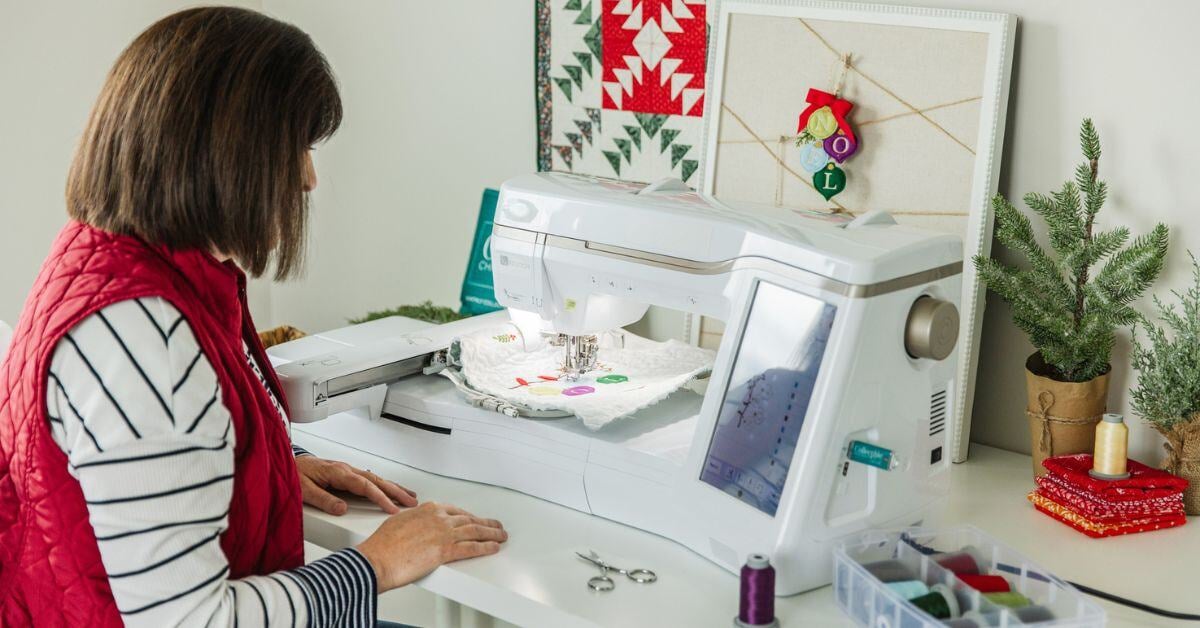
[603, 583]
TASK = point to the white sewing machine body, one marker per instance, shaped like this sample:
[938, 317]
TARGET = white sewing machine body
[814, 356]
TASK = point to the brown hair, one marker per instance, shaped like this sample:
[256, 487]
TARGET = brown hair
[199, 135]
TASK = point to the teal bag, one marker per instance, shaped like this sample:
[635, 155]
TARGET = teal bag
[478, 291]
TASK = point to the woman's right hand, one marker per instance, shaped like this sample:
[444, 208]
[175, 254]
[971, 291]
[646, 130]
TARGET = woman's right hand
[412, 543]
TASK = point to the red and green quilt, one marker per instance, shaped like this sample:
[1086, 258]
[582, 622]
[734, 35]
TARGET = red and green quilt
[620, 87]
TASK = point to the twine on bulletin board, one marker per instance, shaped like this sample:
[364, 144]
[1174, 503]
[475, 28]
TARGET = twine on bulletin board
[841, 79]
[844, 66]
[782, 165]
[885, 90]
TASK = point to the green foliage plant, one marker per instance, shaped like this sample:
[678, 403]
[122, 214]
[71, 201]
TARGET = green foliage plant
[1070, 312]
[1168, 362]
[425, 311]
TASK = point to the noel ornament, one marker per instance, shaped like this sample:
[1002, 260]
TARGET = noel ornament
[829, 180]
[825, 137]
[839, 146]
[822, 123]
[829, 110]
[813, 157]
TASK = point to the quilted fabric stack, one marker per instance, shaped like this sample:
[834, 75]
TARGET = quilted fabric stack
[1149, 499]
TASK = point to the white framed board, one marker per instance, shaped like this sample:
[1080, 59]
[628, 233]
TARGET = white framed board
[930, 91]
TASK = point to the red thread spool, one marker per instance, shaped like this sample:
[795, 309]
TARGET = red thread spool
[986, 584]
[961, 562]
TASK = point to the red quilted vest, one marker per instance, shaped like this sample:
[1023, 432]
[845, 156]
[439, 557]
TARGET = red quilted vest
[50, 569]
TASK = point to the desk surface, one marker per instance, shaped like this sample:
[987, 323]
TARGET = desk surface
[536, 580]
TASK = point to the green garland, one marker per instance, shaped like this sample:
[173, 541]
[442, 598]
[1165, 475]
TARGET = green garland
[426, 311]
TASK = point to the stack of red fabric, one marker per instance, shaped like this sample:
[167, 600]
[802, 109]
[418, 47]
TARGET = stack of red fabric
[1149, 499]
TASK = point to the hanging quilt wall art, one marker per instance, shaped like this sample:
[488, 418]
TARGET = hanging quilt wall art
[620, 87]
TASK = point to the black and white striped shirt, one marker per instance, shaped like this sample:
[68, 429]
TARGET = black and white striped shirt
[137, 408]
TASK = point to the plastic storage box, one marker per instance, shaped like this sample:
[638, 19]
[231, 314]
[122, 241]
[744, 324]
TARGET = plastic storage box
[871, 602]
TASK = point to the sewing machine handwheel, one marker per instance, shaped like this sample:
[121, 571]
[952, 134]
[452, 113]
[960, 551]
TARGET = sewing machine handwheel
[932, 329]
[601, 584]
[642, 576]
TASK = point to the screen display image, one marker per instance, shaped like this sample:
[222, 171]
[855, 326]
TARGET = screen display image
[762, 414]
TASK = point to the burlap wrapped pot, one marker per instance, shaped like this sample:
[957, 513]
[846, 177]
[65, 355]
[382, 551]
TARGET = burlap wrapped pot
[1062, 415]
[1183, 459]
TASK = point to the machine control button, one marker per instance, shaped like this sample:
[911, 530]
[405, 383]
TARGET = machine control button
[932, 329]
[520, 211]
[331, 362]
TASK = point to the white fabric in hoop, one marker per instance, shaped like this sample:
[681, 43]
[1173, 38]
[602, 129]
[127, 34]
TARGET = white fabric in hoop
[640, 374]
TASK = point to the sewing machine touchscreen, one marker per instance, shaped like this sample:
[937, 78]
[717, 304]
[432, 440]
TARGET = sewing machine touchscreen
[763, 411]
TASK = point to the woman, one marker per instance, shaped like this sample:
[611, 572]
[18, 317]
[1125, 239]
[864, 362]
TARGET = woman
[146, 474]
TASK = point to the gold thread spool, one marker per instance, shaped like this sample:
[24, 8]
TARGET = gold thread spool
[1109, 462]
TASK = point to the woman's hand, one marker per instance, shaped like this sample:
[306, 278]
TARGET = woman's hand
[413, 543]
[318, 476]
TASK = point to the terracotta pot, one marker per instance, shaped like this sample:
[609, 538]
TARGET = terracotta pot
[1183, 459]
[1062, 415]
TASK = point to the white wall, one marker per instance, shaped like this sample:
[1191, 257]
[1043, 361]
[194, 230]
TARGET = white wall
[53, 59]
[439, 104]
[1128, 66]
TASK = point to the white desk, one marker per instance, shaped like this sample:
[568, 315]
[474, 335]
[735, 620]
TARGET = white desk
[536, 580]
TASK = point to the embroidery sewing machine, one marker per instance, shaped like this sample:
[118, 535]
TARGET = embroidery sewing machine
[837, 331]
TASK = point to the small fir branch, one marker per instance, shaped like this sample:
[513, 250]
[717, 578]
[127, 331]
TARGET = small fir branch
[1089, 141]
[1070, 313]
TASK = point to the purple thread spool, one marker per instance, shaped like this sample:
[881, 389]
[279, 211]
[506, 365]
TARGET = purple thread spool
[757, 605]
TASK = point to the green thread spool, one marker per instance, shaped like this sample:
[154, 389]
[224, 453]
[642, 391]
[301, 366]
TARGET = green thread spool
[909, 589]
[1011, 599]
[940, 602]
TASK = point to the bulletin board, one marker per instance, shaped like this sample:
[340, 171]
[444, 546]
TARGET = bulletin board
[929, 90]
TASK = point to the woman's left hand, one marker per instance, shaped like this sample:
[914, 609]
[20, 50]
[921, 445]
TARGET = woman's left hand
[318, 476]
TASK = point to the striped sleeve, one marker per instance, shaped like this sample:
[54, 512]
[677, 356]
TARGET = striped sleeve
[137, 408]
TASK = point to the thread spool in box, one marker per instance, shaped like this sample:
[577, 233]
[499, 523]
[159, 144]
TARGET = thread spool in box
[1011, 599]
[985, 583]
[967, 561]
[908, 589]
[891, 570]
[756, 607]
[1033, 614]
[940, 603]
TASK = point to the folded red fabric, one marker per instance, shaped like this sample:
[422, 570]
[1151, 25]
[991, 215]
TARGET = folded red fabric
[1143, 482]
[1100, 509]
[1096, 529]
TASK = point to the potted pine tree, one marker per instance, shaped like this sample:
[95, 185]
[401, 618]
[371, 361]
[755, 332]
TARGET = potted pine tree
[1070, 312]
[1167, 395]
